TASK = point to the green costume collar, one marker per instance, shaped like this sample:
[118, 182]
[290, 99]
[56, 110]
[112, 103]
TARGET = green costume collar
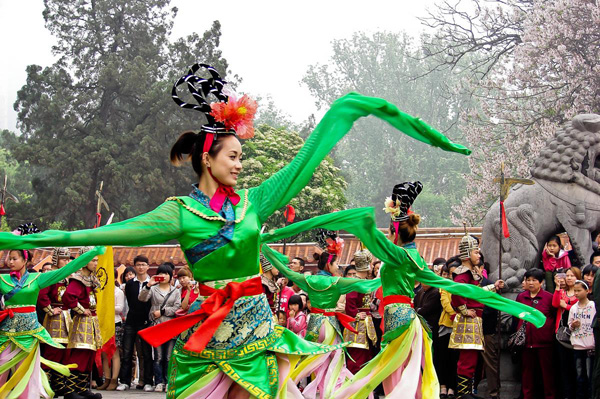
[209, 214]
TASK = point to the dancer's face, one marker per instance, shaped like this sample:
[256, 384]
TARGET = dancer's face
[16, 262]
[227, 164]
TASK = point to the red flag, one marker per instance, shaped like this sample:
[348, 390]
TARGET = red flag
[289, 214]
[2, 211]
[504, 221]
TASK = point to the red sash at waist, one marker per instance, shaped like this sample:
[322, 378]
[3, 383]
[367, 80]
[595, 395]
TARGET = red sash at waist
[212, 312]
[10, 312]
[388, 300]
[344, 319]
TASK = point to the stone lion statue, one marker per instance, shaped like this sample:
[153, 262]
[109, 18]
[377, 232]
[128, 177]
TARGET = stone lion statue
[564, 198]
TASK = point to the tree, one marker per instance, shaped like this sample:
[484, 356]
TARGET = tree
[547, 77]
[19, 175]
[269, 151]
[103, 111]
[375, 157]
[489, 29]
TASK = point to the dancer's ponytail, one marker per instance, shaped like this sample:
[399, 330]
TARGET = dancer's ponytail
[184, 147]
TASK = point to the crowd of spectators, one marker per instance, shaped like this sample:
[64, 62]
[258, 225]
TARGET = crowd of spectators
[562, 292]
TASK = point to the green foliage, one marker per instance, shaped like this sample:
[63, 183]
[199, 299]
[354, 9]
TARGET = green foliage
[103, 112]
[270, 150]
[19, 177]
[375, 157]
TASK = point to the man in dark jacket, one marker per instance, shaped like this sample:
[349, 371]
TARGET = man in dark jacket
[537, 353]
[491, 352]
[137, 319]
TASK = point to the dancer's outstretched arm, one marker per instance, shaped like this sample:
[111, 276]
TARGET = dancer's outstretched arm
[155, 227]
[488, 298]
[284, 185]
[347, 285]
[279, 262]
[54, 276]
[358, 221]
[344, 284]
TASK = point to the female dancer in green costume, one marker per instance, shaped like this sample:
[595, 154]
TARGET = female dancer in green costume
[324, 327]
[237, 341]
[405, 364]
[20, 331]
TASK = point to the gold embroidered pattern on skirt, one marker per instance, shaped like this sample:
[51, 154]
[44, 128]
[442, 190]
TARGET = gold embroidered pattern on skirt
[85, 333]
[467, 333]
[226, 354]
[366, 329]
[58, 326]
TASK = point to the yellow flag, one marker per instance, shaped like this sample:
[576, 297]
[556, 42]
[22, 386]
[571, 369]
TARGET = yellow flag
[106, 296]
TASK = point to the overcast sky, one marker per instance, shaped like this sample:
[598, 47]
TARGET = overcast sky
[269, 43]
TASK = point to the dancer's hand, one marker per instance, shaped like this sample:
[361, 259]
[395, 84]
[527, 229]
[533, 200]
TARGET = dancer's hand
[471, 313]
[56, 311]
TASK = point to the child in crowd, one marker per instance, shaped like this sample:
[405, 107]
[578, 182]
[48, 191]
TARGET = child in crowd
[554, 257]
[588, 276]
[282, 318]
[582, 338]
[296, 321]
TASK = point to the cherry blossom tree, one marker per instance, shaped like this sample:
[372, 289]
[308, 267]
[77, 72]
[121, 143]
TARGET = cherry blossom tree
[548, 74]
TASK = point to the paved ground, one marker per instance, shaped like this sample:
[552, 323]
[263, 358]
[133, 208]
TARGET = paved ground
[131, 393]
[509, 391]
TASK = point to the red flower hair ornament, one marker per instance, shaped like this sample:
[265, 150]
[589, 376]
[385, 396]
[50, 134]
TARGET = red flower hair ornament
[236, 114]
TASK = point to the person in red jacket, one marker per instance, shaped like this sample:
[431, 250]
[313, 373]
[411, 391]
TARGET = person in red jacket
[467, 332]
[84, 336]
[537, 353]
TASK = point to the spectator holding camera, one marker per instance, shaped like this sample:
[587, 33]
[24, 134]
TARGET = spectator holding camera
[165, 300]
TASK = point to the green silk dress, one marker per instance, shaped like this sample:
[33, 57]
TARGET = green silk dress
[21, 333]
[324, 293]
[246, 344]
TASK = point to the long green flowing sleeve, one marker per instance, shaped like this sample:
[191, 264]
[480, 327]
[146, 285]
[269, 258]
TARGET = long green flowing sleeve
[358, 221]
[279, 262]
[361, 223]
[284, 185]
[347, 285]
[54, 276]
[344, 285]
[155, 227]
[488, 298]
